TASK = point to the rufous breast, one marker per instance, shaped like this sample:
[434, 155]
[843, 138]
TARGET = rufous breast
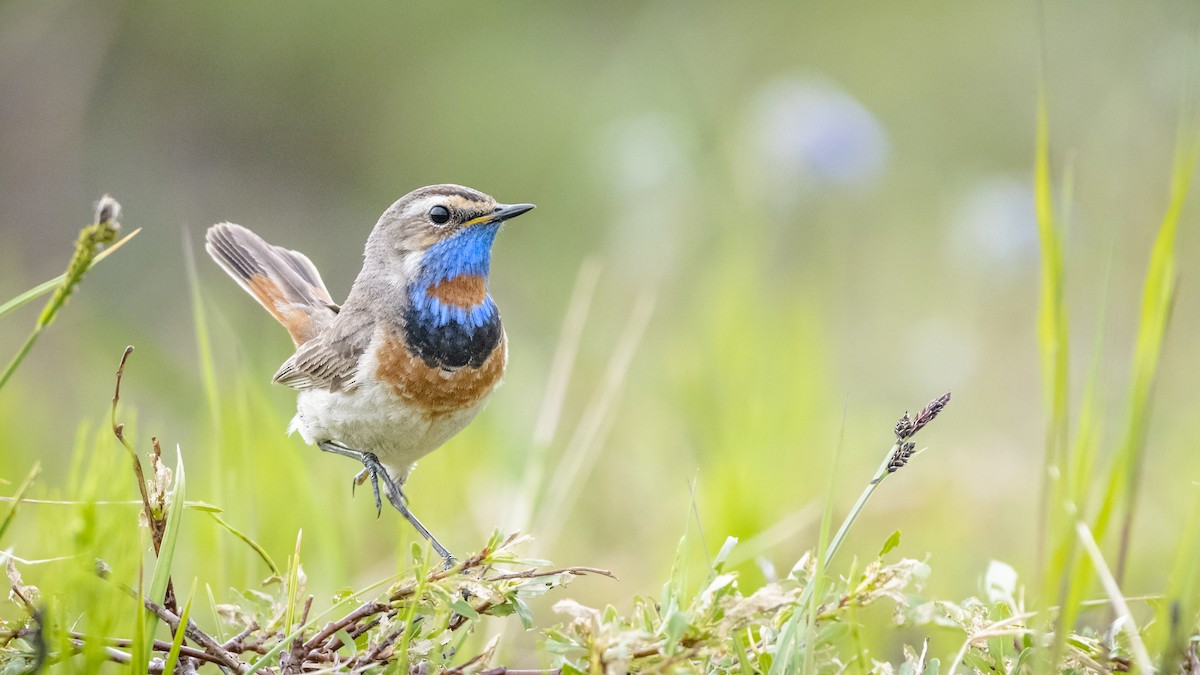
[433, 388]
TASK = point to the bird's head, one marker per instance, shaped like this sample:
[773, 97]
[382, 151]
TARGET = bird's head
[440, 232]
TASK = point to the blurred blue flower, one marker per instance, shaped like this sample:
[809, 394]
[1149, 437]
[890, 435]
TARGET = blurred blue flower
[995, 223]
[810, 131]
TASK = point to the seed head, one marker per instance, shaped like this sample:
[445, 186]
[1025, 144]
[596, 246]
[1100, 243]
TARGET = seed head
[903, 453]
[908, 427]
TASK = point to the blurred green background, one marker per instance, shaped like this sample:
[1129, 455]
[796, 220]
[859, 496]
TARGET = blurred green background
[828, 204]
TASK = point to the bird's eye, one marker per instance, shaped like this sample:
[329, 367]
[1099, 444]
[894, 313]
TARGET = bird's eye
[440, 215]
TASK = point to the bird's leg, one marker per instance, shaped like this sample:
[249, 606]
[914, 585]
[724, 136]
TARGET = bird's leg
[362, 476]
[397, 499]
[375, 471]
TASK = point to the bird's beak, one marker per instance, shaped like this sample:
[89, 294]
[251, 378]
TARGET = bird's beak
[506, 211]
[501, 213]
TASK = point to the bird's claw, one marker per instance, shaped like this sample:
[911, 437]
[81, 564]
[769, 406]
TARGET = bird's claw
[372, 473]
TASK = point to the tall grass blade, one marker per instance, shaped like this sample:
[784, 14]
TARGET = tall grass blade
[177, 640]
[550, 413]
[293, 583]
[139, 652]
[1158, 293]
[1052, 331]
[203, 343]
[16, 500]
[1172, 630]
[1120, 607]
[262, 552]
[166, 554]
[88, 246]
[1053, 348]
[582, 449]
[45, 287]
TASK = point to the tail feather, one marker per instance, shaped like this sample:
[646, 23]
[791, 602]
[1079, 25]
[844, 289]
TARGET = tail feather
[285, 282]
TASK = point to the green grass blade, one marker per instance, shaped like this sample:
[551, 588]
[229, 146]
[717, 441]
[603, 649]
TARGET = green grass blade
[177, 641]
[216, 616]
[1053, 348]
[1052, 312]
[166, 554]
[1175, 619]
[262, 552]
[12, 508]
[45, 287]
[293, 583]
[1158, 293]
[1052, 331]
[88, 247]
[203, 343]
[139, 657]
[30, 295]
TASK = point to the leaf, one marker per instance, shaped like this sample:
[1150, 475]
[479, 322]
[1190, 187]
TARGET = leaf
[726, 549]
[1000, 582]
[523, 613]
[892, 542]
[464, 608]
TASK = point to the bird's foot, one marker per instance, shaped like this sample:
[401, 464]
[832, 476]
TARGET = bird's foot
[374, 471]
[371, 470]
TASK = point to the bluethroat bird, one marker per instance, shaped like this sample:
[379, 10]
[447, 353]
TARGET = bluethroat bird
[411, 356]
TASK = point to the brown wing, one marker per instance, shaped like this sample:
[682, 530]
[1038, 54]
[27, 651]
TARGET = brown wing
[285, 282]
[329, 361]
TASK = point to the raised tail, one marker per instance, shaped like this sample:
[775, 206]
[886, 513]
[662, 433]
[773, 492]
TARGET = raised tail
[285, 282]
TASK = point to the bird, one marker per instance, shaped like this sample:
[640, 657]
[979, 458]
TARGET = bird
[415, 351]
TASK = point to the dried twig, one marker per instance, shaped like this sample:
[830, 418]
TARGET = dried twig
[156, 527]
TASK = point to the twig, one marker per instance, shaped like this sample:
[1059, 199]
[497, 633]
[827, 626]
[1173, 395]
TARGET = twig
[234, 642]
[362, 612]
[387, 642]
[21, 596]
[119, 431]
[191, 630]
[159, 645]
[298, 655]
[194, 632]
[534, 574]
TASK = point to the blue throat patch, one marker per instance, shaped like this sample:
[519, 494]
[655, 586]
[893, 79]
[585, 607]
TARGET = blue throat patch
[446, 335]
[468, 251]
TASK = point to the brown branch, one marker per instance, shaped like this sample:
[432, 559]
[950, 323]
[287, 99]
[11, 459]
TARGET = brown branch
[386, 643]
[295, 657]
[159, 645]
[362, 612]
[336, 643]
[21, 596]
[194, 632]
[233, 643]
[191, 630]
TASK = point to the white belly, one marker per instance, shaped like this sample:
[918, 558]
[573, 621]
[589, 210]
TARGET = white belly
[372, 418]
